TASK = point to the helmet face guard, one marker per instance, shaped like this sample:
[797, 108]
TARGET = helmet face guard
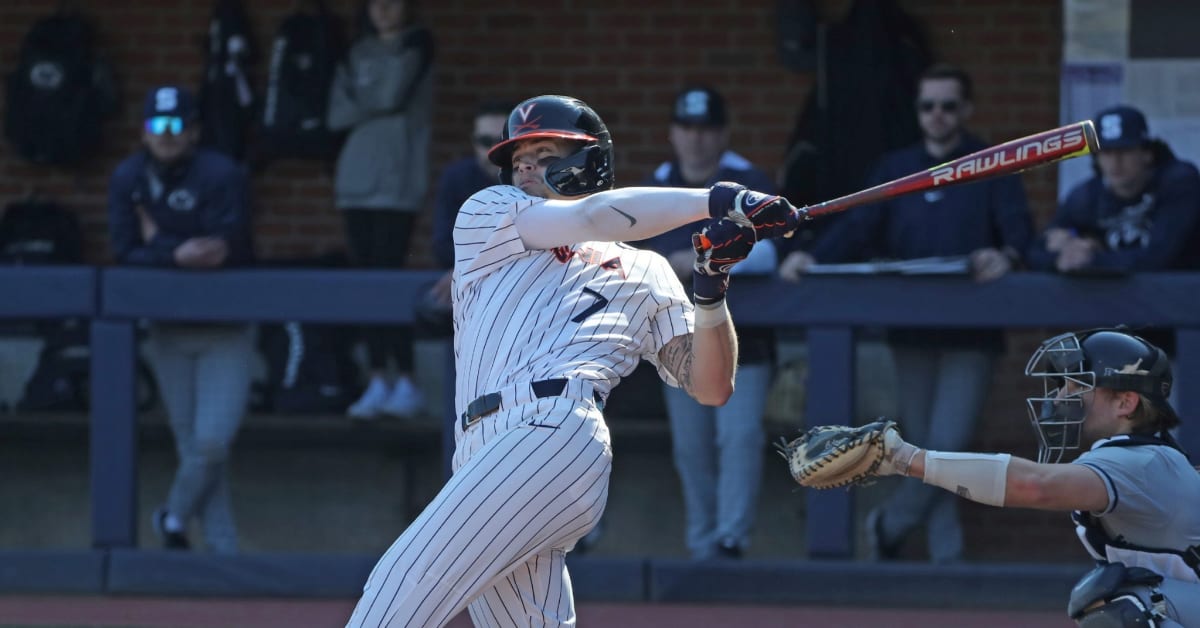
[582, 172]
[1072, 364]
[1057, 416]
[585, 171]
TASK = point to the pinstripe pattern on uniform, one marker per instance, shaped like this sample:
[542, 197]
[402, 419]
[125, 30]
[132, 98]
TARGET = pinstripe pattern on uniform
[531, 478]
[525, 491]
[532, 298]
[496, 607]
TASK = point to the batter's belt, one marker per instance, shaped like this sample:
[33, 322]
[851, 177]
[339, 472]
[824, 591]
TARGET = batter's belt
[491, 402]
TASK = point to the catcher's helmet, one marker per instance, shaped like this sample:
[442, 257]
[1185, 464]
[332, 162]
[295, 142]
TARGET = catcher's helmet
[1097, 358]
[585, 171]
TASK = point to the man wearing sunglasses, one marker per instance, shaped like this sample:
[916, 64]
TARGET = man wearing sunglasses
[174, 205]
[942, 376]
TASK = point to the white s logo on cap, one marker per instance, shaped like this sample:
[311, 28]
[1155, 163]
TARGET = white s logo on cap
[166, 98]
[695, 104]
[1110, 126]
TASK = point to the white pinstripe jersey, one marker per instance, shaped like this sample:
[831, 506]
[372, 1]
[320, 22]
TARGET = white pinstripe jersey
[589, 311]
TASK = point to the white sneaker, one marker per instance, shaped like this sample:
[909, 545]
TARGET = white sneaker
[405, 401]
[371, 404]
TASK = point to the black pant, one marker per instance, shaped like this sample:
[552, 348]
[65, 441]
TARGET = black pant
[378, 238]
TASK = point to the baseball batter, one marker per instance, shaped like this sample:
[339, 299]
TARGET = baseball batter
[1134, 495]
[550, 311]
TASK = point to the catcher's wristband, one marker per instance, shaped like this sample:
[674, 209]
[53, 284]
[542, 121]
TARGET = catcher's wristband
[709, 289]
[980, 478]
[711, 315]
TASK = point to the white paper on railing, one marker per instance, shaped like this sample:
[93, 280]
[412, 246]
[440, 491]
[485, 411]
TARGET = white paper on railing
[950, 265]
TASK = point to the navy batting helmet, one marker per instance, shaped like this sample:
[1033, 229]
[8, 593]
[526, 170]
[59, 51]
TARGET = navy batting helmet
[585, 171]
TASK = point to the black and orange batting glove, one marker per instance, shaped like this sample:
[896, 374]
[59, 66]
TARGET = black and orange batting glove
[718, 247]
[771, 216]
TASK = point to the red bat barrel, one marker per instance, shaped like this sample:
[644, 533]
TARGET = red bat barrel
[1065, 142]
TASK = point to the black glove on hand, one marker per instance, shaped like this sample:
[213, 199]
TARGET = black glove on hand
[771, 216]
[718, 247]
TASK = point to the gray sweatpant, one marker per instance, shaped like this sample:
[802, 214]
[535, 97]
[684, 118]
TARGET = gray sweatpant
[941, 394]
[203, 375]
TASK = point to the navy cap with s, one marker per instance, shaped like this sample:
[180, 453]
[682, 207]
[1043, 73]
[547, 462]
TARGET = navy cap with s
[169, 100]
[1122, 126]
[700, 106]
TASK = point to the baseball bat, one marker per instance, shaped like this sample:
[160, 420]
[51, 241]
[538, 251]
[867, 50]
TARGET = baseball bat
[1039, 149]
[1065, 142]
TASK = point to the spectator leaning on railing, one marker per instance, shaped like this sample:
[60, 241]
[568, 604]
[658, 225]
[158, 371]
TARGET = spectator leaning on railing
[176, 206]
[1139, 212]
[943, 376]
[718, 451]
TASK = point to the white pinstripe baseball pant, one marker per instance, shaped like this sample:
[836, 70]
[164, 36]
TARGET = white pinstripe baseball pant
[530, 481]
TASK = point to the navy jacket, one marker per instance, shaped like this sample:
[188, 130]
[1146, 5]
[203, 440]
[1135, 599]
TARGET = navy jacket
[458, 182]
[1150, 232]
[203, 195]
[951, 221]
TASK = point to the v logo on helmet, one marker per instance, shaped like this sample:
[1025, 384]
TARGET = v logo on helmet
[525, 111]
[526, 123]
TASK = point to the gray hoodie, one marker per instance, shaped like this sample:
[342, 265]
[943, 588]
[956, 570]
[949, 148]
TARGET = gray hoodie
[384, 94]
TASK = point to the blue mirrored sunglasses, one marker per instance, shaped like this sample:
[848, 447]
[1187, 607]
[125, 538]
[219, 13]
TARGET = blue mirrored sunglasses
[161, 125]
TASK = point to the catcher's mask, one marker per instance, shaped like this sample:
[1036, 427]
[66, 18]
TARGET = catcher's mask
[585, 171]
[1099, 358]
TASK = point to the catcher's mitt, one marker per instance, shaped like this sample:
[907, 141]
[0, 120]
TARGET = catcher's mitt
[829, 456]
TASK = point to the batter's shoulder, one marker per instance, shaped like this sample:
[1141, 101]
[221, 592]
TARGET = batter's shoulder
[496, 195]
[490, 205]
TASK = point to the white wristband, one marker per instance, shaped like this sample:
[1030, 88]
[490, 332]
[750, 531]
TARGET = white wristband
[711, 316]
[981, 478]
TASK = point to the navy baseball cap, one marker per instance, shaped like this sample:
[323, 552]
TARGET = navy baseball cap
[1121, 126]
[700, 106]
[169, 100]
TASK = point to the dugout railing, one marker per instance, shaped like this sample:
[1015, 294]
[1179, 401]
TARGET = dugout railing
[830, 308]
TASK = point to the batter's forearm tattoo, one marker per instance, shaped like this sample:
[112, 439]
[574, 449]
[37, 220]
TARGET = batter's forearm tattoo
[677, 357]
[631, 219]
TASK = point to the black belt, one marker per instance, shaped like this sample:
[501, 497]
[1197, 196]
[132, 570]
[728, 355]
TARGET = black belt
[489, 403]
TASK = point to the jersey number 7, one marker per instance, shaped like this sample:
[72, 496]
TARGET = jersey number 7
[596, 306]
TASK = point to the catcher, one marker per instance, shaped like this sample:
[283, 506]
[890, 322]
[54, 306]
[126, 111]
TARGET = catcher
[1133, 494]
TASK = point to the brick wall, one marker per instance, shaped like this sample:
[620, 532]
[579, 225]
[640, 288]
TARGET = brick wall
[626, 58]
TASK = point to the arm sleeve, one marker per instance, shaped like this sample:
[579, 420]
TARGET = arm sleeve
[849, 235]
[415, 61]
[1125, 474]
[124, 228]
[1010, 209]
[344, 109]
[1174, 219]
[851, 232]
[227, 215]
[1066, 217]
